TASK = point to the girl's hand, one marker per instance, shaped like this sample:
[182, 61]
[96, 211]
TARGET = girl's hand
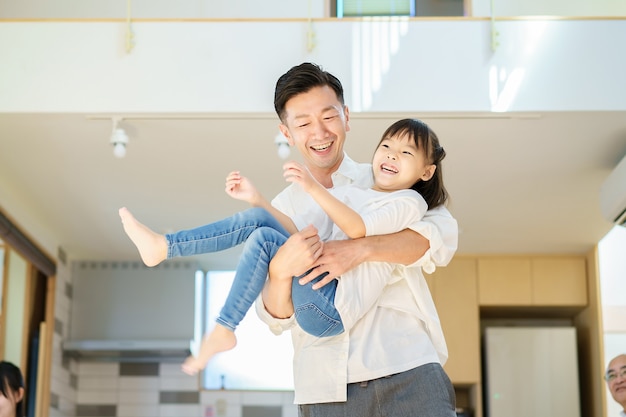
[240, 188]
[298, 173]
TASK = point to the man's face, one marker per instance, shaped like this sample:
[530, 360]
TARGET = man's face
[316, 123]
[616, 373]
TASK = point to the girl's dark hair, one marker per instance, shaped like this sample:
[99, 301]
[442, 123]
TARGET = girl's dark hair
[11, 381]
[300, 79]
[432, 190]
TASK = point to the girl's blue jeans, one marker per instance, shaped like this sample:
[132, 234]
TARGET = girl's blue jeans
[263, 235]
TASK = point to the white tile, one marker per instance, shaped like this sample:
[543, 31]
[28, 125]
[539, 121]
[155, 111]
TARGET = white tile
[64, 316]
[179, 410]
[211, 397]
[97, 397]
[65, 391]
[182, 383]
[53, 412]
[59, 290]
[140, 383]
[232, 411]
[67, 407]
[92, 383]
[137, 410]
[138, 397]
[62, 303]
[290, 410]
[59, 374]
[98, 368]
[57, 341]
[172, 369]
[56, 358]
[262, 398]
[74, 366]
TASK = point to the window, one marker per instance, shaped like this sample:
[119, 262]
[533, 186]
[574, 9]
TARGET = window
[361, 8]
[260, 361]
[350, 8]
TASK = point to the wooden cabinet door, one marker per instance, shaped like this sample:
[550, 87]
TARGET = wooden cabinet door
[455, 293]
[504, 281]
[559, 281]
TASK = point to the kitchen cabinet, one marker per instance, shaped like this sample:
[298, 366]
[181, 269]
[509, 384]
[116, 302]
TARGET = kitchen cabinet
[473, 285]
[532, 281]
[455, 295]
[504, 281]
[559, 281]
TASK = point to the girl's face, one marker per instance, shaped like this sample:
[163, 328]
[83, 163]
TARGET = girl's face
[9, 404]
[398, 164]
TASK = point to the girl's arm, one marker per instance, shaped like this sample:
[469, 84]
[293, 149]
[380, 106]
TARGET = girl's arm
[348, 220]
[240, 188]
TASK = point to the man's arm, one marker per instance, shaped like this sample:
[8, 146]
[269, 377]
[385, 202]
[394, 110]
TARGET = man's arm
[432, 241]
[339, 256]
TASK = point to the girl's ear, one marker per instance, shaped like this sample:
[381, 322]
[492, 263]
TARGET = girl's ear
[19, 396]
[285, 131]
[428, 172]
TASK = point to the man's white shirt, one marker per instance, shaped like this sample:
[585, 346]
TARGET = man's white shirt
[400, 333]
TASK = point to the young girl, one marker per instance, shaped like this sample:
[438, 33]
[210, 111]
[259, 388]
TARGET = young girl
[407, 181]
[11, 390]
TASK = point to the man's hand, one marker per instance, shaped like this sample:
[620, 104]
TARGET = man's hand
[340, 256]
[299, 254]
[337, 258]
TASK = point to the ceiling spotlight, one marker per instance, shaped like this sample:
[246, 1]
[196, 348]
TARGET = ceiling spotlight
[283, 146]
[119, 139]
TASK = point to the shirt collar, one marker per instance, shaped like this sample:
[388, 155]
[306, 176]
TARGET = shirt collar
[347, 172]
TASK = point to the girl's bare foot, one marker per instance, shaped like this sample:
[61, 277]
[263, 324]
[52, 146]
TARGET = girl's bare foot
[219, 340]
[151, 245]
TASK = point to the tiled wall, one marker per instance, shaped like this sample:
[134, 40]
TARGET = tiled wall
[63, 376]
[110, 389]
[162, 389]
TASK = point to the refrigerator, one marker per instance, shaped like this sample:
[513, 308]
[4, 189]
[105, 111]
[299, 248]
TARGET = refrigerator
[531, 371]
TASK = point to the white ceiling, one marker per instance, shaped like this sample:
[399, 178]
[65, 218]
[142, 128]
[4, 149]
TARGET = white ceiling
[519, 183]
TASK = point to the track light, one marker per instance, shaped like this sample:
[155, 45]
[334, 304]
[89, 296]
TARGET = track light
[119, 139]
[283, 146]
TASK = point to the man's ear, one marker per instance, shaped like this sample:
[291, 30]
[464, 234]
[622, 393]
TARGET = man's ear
[285, 131]
[429, 172]
[346, 112]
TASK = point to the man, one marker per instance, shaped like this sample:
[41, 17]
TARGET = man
[388, 364]
[616, 380]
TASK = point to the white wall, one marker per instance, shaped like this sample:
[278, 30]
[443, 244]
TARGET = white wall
[425, 66]
[445, 66]
[85, 9]
[549, 8]
[129, 301]
[181, 9]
